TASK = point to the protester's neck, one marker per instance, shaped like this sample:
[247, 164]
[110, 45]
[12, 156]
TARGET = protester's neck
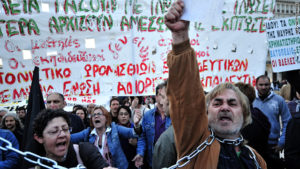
[13, 129]
[262, 97]
[58, 159]
[101, 130]
[161, 112]
[114, 114]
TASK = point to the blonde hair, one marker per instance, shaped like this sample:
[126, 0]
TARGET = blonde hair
[285, 92]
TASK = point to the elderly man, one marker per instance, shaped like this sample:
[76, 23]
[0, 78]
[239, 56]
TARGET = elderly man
[209, 136]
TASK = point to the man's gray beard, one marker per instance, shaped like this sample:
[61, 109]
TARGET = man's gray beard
[218, 130]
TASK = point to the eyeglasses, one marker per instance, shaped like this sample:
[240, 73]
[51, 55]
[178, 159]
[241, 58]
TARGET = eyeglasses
[97, 114]
[57, 132]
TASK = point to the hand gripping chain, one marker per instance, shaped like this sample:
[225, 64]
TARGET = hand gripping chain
[34, 158]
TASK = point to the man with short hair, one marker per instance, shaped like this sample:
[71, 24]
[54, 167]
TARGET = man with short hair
[90, 108]
[154, 123]
[206, 129]
[57, 101]
[164, 153]
[114, 105]
[273, 106]
[21, 112]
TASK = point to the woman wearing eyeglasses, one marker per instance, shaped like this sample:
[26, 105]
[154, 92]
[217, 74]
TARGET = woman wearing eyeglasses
[105, 136]
[52, 132]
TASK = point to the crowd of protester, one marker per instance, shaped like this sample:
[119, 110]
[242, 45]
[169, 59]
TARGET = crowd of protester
[124, 142]
[155, 131]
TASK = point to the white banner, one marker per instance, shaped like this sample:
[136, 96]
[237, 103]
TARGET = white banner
[284, 44]
[87, 49]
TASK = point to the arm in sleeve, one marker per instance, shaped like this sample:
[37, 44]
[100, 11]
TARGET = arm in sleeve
[187, 100]
[141, 144]
[126, 132]
[82, 136]
[90, 156]
[164, 153]
[285, 117]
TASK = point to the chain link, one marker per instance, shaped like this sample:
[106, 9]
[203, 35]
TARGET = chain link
[34, 158]
[235, 142]
[253, 157]
[186, 159]
[209, 140]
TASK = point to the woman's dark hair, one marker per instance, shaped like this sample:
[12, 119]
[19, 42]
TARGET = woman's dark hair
[126, 108]
[86, 120]
[81, 108]
[140, 98]
[42, 119]
[125, 100]
[77, 106]
[112, 99]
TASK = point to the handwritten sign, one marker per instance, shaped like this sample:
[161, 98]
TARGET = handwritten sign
[90, 49]
[284, 44]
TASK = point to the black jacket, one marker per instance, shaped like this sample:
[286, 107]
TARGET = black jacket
[292, 143]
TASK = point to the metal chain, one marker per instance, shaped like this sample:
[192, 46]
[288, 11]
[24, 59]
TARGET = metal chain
[235, 142]
[34, 158]
[186, 159]
[253, 157]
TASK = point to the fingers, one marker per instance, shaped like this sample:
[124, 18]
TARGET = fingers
[138, 114]
[174, 12]
[136, 157]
